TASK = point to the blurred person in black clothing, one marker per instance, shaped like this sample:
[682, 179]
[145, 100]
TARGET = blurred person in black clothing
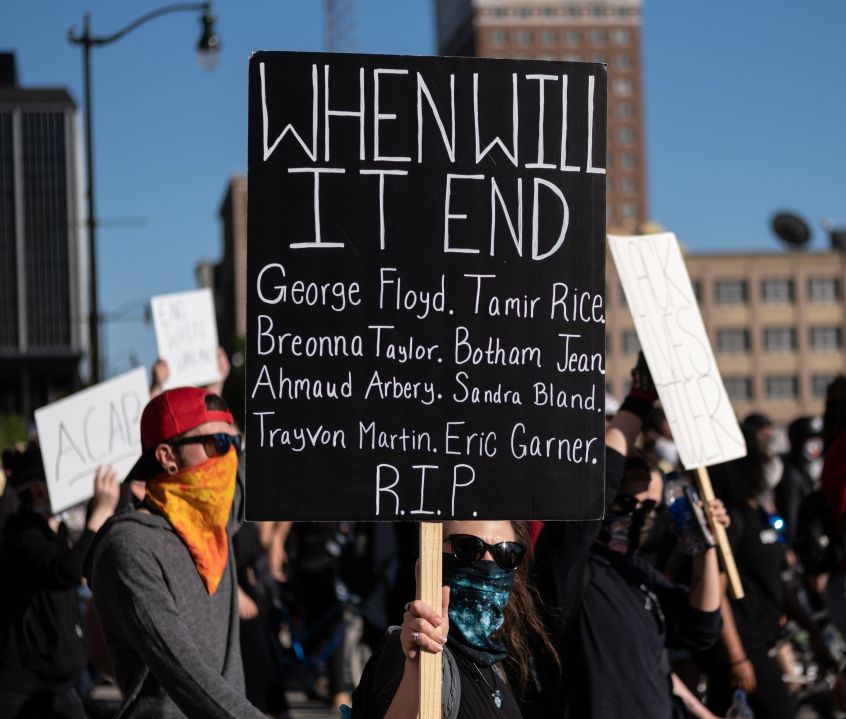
[264, 675]
[750, 625]
[612, 613]
[41, 648]
[802, 471]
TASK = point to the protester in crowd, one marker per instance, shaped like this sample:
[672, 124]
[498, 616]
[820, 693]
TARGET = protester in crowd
[164, 577]
[264, 674]
[751, 625]
[318, 599]
[802, 471]
[658, 441]
[613, 613]
[489, 616]
[41, 647]
[760, 429]
[833, 482]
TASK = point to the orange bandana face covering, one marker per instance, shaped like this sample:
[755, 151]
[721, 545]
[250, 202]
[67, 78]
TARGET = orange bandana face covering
[197, 502]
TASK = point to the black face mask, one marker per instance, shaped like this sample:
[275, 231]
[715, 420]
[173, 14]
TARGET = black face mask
[627, 524]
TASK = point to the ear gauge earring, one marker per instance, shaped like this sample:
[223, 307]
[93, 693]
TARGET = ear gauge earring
[172, 469]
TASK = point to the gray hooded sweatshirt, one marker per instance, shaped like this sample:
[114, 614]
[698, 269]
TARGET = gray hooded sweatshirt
[174, 649]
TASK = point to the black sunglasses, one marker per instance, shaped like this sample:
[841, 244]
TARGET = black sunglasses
[467, 548]
[214, 444]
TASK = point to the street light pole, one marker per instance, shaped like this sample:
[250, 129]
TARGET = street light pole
[207, 49]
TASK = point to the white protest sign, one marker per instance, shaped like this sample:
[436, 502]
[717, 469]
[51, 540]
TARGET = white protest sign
[98, 426]
[675, 343]
[186, 332]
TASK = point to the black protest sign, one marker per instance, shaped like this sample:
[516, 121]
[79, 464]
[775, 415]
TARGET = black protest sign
[426, 264]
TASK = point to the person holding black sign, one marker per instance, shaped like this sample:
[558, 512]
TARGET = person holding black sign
[489, 630]
[611, 612]
[163, 576]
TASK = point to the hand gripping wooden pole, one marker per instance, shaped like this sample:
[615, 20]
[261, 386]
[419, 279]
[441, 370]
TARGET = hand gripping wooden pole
[429, 590]
[706, 491]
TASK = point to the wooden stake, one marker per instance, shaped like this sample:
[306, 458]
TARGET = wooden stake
[429, 590]
[706, 491]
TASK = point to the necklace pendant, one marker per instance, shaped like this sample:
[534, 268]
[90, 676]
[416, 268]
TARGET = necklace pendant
[497, 698]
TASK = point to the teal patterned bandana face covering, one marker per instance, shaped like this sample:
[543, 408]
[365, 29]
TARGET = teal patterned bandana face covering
[477, 599]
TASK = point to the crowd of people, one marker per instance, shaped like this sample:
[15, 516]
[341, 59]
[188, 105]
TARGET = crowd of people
[159, 587]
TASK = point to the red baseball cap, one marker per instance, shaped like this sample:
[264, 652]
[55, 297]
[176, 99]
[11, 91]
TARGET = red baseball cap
[167, 415]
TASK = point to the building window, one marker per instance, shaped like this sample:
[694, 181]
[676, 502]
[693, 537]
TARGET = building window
[627, 161]
[823, 289]
[631, 344]
[598, 37]
[628, 210]
[625, 111]
[548, 11]
[819, 385]
[574, 11]
[623, 301]
[730, 292]
[597, 10]
[523, 37]
[524, 11]
[548, 37]
[622, 87]
[498, 38]
[621, 36]
[776, 290]
[779, 339]
[696, 285]
[732, 341]
[623, 61]
[626, 135]
[572, 38]
[826, 338]
[628, 185]
[739, 389]
[782, 387]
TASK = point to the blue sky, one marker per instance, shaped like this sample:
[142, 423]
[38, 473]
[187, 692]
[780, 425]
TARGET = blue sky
[745, 110]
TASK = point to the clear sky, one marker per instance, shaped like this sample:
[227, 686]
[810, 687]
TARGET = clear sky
[745, 115]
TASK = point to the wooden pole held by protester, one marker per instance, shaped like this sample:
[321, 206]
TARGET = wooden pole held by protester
[706, 491]
[429, 586]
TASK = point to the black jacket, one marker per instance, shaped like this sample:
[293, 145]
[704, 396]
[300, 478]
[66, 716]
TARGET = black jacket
[41, 646]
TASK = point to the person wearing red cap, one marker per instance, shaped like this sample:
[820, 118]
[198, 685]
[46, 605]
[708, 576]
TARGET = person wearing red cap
[163, 575]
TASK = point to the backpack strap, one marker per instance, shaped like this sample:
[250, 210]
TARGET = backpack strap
[450, 685]
[450, 682]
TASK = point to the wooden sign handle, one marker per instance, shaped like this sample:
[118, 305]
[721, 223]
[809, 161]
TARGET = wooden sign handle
[429, 590]
[706, 491]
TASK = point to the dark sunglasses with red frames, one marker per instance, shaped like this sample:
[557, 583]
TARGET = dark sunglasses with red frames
[215, 445]
[467, 548]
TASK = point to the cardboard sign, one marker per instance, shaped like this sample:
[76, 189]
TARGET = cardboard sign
[425, 275]
[675, 343]
[186, 332]
[98, 426]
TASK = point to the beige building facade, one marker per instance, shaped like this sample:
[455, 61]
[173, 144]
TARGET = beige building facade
[776, 322]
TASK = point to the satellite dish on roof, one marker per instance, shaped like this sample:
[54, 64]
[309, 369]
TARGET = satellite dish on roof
[791, 230]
